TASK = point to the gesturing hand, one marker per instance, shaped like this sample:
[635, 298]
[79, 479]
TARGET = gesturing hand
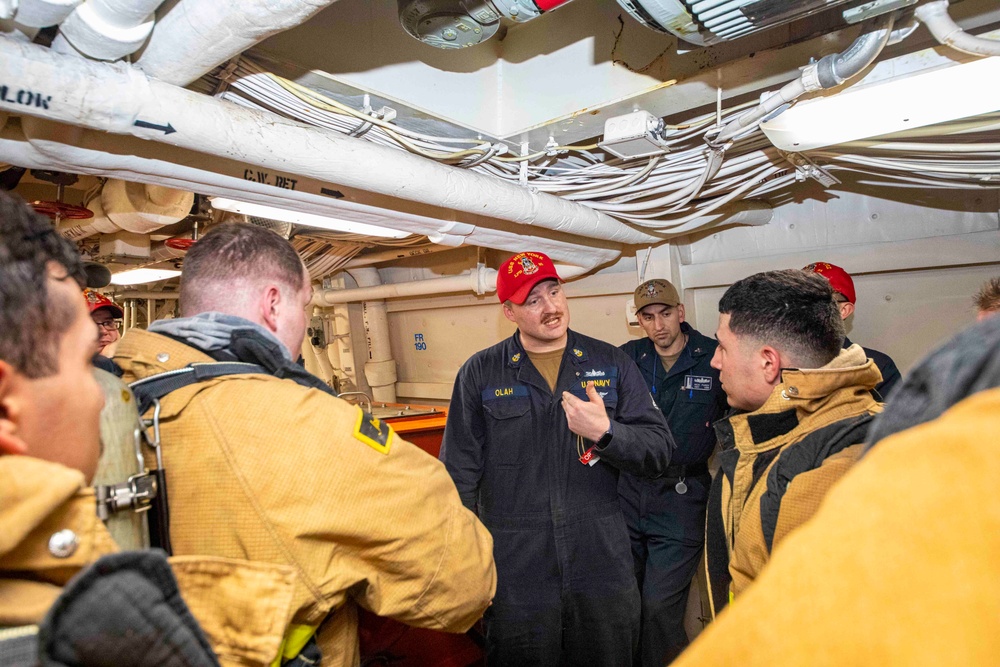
[586, 418]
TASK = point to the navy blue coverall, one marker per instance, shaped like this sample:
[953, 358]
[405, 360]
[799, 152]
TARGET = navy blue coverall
[566, 593]
[667, 528]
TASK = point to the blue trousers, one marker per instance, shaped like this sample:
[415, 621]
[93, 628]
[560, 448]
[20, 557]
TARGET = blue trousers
[667, 531]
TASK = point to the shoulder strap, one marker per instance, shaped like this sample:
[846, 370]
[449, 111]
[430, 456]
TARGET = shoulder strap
[155, 387]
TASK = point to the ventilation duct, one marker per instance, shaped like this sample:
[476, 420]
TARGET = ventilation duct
[131, 207]
[455, 24]
[706, 22]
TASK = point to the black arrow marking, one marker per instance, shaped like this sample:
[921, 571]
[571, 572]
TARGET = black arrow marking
[336, 194]
[165, 129]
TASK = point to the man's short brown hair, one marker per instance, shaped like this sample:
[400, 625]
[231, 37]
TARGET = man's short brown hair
[988, 297]
[234, 252]
[33, 321]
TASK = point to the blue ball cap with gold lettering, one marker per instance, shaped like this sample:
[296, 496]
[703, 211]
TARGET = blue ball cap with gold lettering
[520, 273]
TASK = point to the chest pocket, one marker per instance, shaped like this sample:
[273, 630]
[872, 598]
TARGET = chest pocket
[504, 403]
[507, 426]
[692, 405]
[605, 381]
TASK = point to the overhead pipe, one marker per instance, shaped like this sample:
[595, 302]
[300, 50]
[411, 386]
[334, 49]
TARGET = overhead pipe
[106, 29]
[828, 72]
[195, 36]
[479, 281]
[380, 369]
[935, 16]
[43, 13]
[131, 207]
[395, 254]
[40, 144]
[115, 98]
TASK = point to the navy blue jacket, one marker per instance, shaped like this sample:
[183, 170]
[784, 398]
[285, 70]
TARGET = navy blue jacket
[689, 395]
[514, 461]
[890, 374]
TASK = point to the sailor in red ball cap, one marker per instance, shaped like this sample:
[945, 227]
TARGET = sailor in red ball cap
[105, 314]
[538, 427]
[846, 297]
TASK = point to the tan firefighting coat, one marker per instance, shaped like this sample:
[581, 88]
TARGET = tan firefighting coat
[242, 607]
[804, 402]
[266, 470]
[899, 566]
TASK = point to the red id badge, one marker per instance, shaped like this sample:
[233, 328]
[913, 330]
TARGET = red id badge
[590, 457]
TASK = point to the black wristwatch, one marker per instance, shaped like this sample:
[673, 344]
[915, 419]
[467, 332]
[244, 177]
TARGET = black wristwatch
[606, 438]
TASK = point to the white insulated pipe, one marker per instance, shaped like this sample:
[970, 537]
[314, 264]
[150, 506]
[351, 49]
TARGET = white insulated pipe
[194, 36]
[481, 280]
[107, 29]
[380, 369]
[49, 145]
[394, 254]
[935, 16]
[131, 207]
[115, 98]
[43, 13]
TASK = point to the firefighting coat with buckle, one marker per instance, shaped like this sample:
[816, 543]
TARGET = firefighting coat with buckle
[49, 533]
[561, 545]
[901, 562]
[778, 462]
[267, 470]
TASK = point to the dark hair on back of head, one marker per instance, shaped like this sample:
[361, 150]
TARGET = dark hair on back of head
[988, 297]
[791, 310]
[233, 252]
[32, 322]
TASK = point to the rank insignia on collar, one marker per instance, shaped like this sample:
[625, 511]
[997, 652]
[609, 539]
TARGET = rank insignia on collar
[578, 352]
[516, 358]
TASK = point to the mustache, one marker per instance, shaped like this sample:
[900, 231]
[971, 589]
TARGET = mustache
[551, 316]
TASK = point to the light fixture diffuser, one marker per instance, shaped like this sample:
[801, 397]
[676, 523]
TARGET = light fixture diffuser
[142, 276]
[304, 219]
[904, 103]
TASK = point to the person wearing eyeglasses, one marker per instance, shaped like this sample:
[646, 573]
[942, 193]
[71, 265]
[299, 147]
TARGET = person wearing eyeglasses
[105, 314]
[845, 297]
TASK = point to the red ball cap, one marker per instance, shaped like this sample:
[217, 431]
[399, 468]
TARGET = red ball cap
[839, 279]
[520, 273]
[96, 301]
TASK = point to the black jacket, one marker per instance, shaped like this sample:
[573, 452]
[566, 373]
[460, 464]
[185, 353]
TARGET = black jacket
[690, 395]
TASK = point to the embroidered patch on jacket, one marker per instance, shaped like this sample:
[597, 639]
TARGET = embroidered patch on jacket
[373, 432]
[697, 382]
[510, 391]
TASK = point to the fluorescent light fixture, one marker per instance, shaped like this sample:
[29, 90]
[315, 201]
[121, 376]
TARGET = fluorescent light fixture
[904, 103]
[141, 276]
[305, 219]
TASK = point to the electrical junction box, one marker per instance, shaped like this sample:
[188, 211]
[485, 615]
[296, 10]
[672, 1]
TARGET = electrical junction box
[631, 316]
[634, 135]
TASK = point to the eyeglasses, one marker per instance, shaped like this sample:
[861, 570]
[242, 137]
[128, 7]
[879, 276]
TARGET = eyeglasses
[107, 324]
